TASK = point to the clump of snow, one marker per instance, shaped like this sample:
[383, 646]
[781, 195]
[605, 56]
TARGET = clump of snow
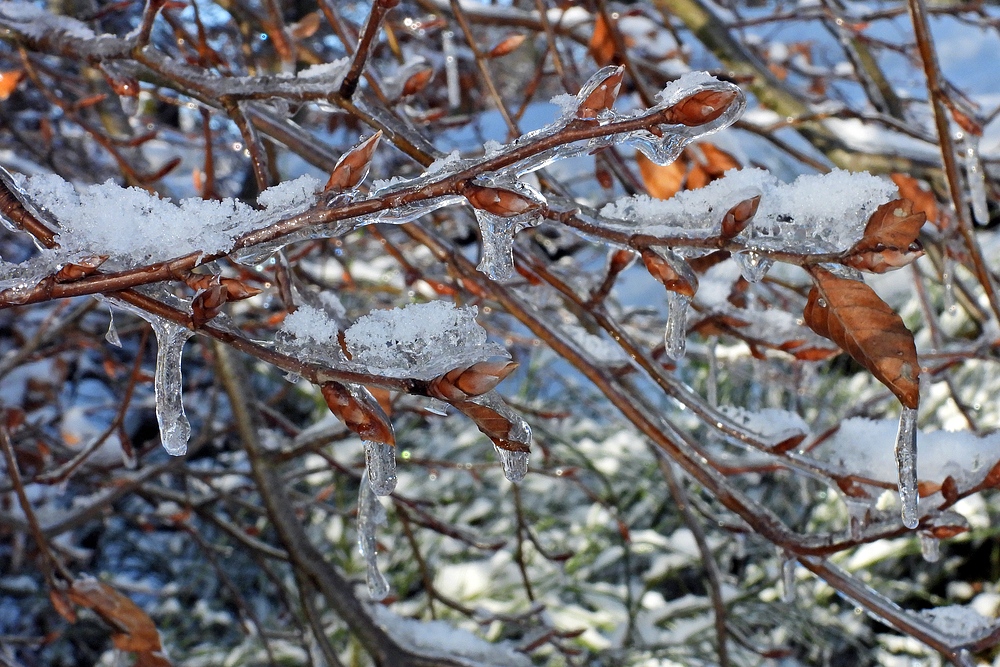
[771, 424]
[815, 213]
[958, 621]
[420, 340]
[333, 70]
[310, 325]
[136, 227]
[440, 639]
[683, 86]
[865, 447]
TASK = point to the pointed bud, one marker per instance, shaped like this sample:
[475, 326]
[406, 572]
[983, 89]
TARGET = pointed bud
[620, 260]
[600, 93]
[700, 108]
[738, 217]
[80, 269]
[506, 46]
[238, 290]
[359, 411]
[675, 274]
[504, 203]
[461, 383]
[353, 165]
[417, 82]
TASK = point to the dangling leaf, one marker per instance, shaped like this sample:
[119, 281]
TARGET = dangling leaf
[923, 199]
[852, 315]
[133, 631]
[352, 167]
[890, 239]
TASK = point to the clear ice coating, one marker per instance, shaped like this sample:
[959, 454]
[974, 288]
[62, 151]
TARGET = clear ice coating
[514, 464]
[380, 461]
[112, 335]
[675, 336]
[497, 260]
[976, 176]
[174, 426]
[371, 515]
[788, 580]
[906, 465]
[753, 265]
[930, 547]
[857, 516]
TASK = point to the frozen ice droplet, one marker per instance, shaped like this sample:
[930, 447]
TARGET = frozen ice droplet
[976, 177]
[906, 465]
[371, 514]
[788, 580]
[930, 547]
[174, 427]
[675, 336]
[130, 104]
[514, 464]
[497, 259]
[381, 463]
[753, 265]
[112, 335]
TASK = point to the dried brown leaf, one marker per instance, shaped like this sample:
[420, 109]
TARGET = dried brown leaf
[923, 199]
[602, 44]
[352, 167]
[852, 315]
[890, 238]
[306, 26]
[134, 630]
[8, 82]
[662, 182]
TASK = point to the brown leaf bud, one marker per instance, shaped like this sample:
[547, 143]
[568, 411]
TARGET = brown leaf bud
[700, 108]
[352, 167]
[417, 82]
[461, 383]
[80, 269]
[359, 411]
[602, 96]
[506, 46]
[738, 217]
[675, 274]
[505, 203]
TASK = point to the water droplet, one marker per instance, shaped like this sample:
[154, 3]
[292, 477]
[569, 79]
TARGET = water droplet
[930, 547]
[514, 464]
[753, 265]
[112, 335]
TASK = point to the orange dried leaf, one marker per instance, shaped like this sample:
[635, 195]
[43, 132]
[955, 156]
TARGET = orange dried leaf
[417, 81]
[9, 81]
[923, 200]
[662, 182]
[890, 238]
[717, 161]
[602, 44]
[133, 629]
[506, 45]
[306, 26]
[852, 315]
[352, 167]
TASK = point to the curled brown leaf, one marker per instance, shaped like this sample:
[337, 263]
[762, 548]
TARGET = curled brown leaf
[852, 315]
[890, 238]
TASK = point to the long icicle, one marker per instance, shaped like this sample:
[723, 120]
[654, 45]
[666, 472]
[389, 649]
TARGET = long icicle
[906, 465]
[371, 514]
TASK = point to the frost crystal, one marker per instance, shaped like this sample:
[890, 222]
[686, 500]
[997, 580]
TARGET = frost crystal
[421, 340]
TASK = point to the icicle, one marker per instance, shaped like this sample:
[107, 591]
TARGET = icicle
[948, 280]
[675, 336]
[976, 177]
[112, 335]
[130, 104]
[451, 69]
[174, 427]
[661, 150]
[514, 464]
[753, 265]
[966, 659]
[371, 515]
[906, 464]
[788, 580]
[381, 464]
[930, 547]
[857, 516]
[497, 259]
